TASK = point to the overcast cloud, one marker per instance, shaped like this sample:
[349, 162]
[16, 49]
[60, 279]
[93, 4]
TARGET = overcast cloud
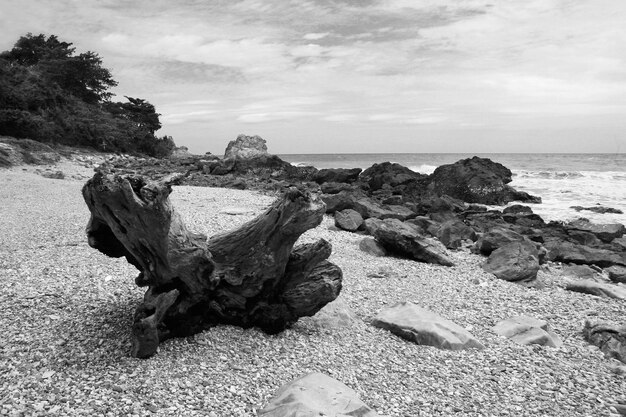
[360, 76]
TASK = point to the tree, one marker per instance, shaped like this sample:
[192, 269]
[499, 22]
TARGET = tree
[80, 75]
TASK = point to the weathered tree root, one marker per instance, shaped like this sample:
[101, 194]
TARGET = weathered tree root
[251, 276]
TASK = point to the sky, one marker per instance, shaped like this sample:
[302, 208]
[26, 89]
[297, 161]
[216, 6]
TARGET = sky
[366, 76]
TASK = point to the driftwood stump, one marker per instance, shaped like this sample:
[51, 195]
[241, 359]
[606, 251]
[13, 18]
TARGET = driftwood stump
[251, 276]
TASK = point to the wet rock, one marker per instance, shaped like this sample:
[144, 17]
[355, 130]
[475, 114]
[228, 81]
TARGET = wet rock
[567, 252]
[388, 173]
[515, 261]
[598, 209]
[604, 232]
[477, 180]
[348, 219]
[371, 246]
[526, 330]
[517, 209]
[316, 395]
[403, 239]
[425, 327]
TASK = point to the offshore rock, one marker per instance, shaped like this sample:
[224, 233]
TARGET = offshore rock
[477, 180]
[245, 147]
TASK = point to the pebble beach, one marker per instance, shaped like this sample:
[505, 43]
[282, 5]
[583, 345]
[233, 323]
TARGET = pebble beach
[66, 312]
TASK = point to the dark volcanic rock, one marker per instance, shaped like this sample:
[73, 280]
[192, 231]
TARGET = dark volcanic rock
[341, 175]
[335, 187]
[425, 327]
[453, 232]
[403, 239]
[494, 239]
[388, 173]
[515, 261]
[517, 209]
[348, 219]
[598, 209]
[567, 252]
[604, 232]
[609, 338]
[316, 394]
[477, 180]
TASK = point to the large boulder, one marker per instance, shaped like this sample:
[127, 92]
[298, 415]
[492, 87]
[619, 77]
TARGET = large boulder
[340, 175]
[515, 261]
[314, 395]
[453, 233]
[494, 239]
[599, 289]
[403, 239]
[611, 339]
[425, 327]
[477, 180]
[526, 330]
[568, 252]
[388, 173]
[348, 219]
[604, 232]
[245, 147]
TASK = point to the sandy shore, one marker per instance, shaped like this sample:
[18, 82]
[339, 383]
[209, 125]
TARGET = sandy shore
[66, 312]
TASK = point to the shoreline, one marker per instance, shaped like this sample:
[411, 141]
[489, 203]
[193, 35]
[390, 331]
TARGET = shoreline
[68, 310]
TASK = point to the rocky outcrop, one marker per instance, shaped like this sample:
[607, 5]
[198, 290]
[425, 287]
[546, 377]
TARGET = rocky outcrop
[403, 239]
[15, 152]
[526, 330]
[604, 232]
[599, 289]
[611, 339]
[390, 174]
[477, 180]
[348, 219]
[598, 209]
[316, 394]
[337, 175]
[494, 239]
[453, 233]
[515, 261]
[425, 327]
[245, 147]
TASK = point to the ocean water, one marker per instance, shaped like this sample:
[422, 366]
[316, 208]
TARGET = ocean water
[561, 180]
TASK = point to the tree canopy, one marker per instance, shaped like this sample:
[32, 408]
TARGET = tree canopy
[51, 94]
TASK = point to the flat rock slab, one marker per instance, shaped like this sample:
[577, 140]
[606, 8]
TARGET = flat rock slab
[316, 395]
[599, 289]
[526, 330]
[425, 327]
[236, 211]
[403, 239]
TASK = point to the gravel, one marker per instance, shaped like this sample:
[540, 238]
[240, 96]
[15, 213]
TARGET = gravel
[66, 312]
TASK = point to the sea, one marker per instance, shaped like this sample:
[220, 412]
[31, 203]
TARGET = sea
[561, 180]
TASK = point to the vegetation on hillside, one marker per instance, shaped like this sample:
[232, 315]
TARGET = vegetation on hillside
[51, 94]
